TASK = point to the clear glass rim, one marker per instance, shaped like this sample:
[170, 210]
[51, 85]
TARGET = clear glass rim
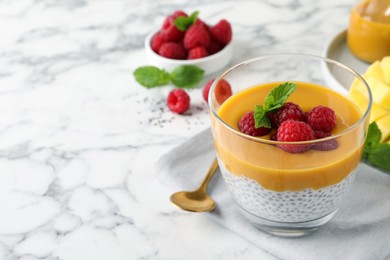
[300, 55]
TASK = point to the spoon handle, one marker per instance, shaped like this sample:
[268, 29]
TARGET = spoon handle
[210, 173]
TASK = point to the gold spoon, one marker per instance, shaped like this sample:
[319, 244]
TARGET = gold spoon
[197, 200]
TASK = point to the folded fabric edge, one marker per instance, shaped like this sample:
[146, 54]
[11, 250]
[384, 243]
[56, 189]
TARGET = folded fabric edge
[195, 148]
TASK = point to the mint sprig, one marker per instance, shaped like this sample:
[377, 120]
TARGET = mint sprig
[375, 152]
[150, 76]
[184, 76]
[274, 100]
[183, 23]
[261, 119]
[374, 136]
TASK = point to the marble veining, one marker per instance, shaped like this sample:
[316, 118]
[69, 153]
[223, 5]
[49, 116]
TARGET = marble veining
[79, 136]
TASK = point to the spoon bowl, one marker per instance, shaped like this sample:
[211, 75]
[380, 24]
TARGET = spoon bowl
[193, 201]
[198, 200]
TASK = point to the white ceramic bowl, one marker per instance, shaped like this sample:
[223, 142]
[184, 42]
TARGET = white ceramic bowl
[209, 64]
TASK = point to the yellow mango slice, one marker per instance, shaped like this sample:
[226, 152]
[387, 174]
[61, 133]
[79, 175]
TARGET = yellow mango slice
[359, 99]
[385, 64]
[377, 77]
[380, 92]
[358, 86]
[377, 112]
[384, 126]
[375, 71]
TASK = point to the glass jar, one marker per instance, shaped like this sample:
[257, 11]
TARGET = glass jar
[369, 30]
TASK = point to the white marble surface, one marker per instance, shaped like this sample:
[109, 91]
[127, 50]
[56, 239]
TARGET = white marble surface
[79, 136]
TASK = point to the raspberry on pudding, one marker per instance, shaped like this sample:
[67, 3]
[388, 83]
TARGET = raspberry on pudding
[247, 126]
[289, 110]
[321, 118]
[294, 131]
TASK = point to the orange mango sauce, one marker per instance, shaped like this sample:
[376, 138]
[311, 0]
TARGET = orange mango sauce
[369, 30]
[275, 169]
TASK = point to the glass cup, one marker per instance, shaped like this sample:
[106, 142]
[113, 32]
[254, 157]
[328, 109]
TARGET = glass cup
[368, 35]
[284, 193]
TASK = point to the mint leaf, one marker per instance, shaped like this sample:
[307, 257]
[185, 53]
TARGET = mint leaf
[183, 23]
[261, 119]
[376, 153]
[379, 156]
[186, 76]
[274, 100]
[279, 95]
[374, 135]
[268, 102]
[150, 76]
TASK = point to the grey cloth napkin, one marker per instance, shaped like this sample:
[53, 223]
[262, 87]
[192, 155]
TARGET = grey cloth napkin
[360, 229]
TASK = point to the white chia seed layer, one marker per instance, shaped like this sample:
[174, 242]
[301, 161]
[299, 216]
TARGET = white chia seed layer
[286, 206]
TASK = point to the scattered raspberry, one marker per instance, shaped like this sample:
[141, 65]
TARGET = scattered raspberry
[326, 145]
[196, 35]
[178, 101]
[214, 47]
[172, 50]
[169, 31]
[197, 53]
[294, 131]
[321, 134]
[247, 126]
[206, 90]
[222, 32]
[222, 91]
[321, 118]
[157, 41]
[289, 111]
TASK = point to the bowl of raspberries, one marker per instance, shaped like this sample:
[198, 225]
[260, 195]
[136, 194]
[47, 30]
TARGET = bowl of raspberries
[187, 40]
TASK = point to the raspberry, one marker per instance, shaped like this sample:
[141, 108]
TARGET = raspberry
[294, 131]
[169, 31]
[222, 32]
[222, 91]
[321, 118]
[178, 101]
[196, 35]
[214, 47]
[321, 134]
[172, 50]
[247, 126]
[206, 90]
[157, 41]
[288, 111]
[326, 145]
[178, 13]
[197, 53]
[200, 22]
